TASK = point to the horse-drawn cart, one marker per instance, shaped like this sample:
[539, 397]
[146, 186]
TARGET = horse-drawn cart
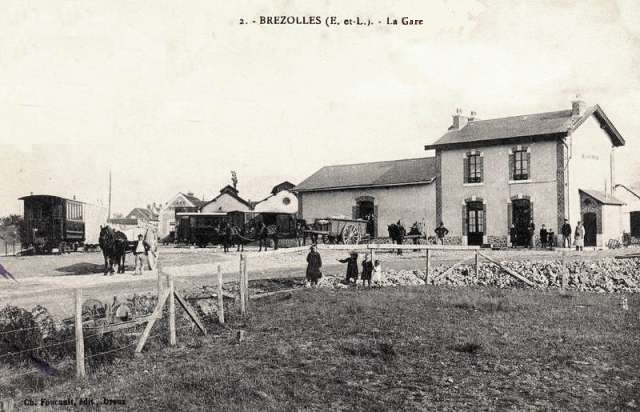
[339, 230]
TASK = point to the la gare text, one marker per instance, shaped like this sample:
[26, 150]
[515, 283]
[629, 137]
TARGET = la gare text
[332, 21]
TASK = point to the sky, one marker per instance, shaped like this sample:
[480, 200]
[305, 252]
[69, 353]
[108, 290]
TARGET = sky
[171, 96]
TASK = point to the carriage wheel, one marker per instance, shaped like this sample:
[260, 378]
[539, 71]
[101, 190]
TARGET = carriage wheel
[351, 234]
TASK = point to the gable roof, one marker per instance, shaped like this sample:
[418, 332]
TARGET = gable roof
[144, 213]
[227, 190]
[374, 174]
[286, 185]
[602, 197]
[194, 200]
[548, 125]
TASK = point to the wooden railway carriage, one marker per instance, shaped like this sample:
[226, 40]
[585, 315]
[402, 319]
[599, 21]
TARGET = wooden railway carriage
[53, 222]
[195, 228]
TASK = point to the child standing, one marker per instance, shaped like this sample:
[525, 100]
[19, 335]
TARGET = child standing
[377, 274]
[352, 267]
[367, 269]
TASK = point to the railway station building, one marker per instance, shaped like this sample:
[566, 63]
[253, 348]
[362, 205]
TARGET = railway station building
[544, 167]
[388, 191]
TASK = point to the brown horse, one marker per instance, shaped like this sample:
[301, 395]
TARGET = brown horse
[113, 244]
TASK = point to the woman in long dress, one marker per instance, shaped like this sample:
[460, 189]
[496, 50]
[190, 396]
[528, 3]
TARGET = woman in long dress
[314, 263]
[579, 237]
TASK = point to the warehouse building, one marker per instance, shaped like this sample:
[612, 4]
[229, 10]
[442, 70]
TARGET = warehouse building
[385, 192]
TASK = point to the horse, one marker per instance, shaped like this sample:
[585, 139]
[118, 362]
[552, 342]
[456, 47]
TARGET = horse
[397, 233]
[113, 244]
[242, 235]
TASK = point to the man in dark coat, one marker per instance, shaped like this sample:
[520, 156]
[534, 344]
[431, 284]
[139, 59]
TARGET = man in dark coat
[314, 263]
[513, 234]
[566, 234]
[263, 236]
[531, 232]
[441, 232]
[543, 237]
[352, 267]
[228, 236]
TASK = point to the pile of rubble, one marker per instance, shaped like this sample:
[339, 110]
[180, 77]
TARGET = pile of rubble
[604, 275]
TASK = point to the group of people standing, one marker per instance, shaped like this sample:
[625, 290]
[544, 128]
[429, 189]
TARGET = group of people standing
[548, 237]
[578, 235]
[371, 271]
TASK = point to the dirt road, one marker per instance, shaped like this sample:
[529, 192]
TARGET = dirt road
[50, 280]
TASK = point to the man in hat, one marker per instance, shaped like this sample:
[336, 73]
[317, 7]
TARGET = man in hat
[566, 234]
[142, 248]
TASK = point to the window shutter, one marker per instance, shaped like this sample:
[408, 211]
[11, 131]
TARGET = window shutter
[531, 208]
[512, 161]
[529, 165]
[464, 220]
[354, 212]
[481, 167]
[465, 170]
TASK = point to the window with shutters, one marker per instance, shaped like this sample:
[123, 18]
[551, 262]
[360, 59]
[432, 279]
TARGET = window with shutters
[520, 165]
[474, 169]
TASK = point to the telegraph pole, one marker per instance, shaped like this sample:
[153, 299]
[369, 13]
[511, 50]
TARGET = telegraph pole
[109, 210]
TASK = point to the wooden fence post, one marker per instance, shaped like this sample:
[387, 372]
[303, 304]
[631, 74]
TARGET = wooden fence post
[477, 263]
[427, 266]
[246, 285]
[564, 280]
[241, 285]
[172, 312]
[80, 372]
[159, 280]
[220, 298]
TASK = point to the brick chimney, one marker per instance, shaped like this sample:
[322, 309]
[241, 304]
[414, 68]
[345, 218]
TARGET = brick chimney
[578, 107]
[459, 120]
[473, 116]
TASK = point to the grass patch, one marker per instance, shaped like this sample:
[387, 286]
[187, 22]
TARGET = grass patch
[422, 348]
